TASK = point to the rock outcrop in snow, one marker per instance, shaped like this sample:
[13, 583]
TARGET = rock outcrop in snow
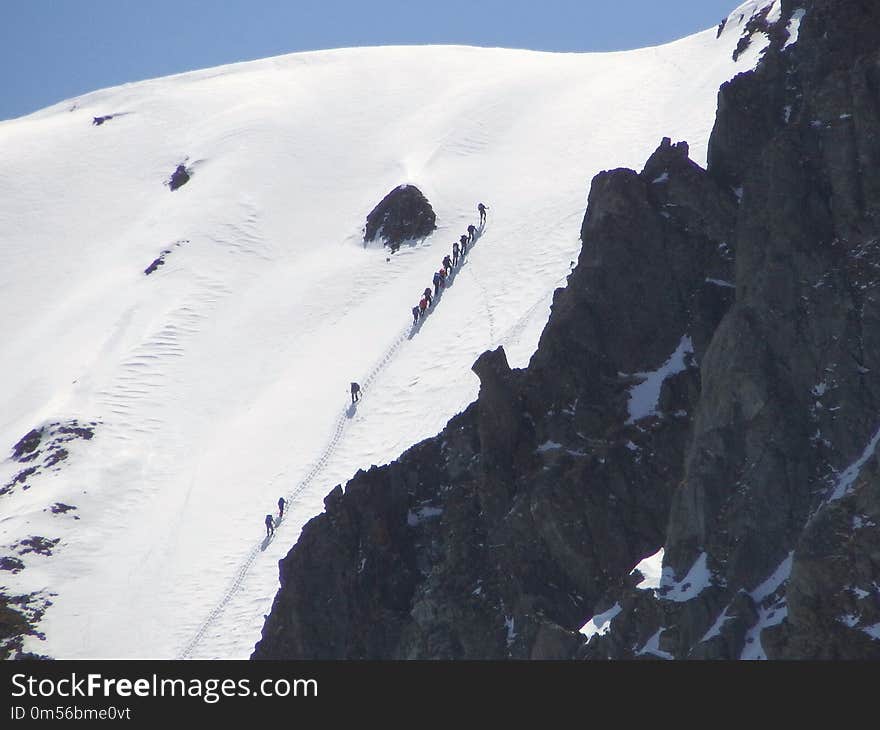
[403, 215]
[756, 469]
[19, 617]
[41, 449]
[179, 177]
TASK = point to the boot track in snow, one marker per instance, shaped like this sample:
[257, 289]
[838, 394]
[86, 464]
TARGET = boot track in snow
[327, 452]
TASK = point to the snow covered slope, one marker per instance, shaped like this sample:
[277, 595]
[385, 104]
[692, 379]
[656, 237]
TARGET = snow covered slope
[220, 382]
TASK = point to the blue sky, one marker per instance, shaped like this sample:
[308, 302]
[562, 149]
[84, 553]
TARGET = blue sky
[52, 50]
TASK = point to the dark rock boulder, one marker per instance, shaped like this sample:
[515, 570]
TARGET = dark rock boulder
[11, 563]
[179, 177]
[160, 260]
[156, 263]
[403, 215]
[59, 508]
[37, 544]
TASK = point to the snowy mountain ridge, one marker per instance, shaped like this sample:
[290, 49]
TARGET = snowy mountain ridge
[689, 473]
[219, 381]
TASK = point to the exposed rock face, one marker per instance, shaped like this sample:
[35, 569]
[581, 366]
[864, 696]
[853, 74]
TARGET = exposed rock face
[23, 450]
[12, 564]
[708, 382]
[179, 177]
[160, 260]
[758, 23]
[402, 215]
[42, 448]
[789, 383]
[19, 617]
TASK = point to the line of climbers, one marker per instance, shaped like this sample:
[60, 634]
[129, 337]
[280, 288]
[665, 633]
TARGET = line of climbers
[459, 251]
[271, 523]
[447, 270]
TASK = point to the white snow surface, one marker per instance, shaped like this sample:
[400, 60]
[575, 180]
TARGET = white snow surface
[772, 583]
[220, 382]
[652, 647]
[644, 398]
[652, 570]
[741, 15]
[794, 27]
[848, 476]
[735, 26]
[721, 282]
[698, 578]
[600, 625]
[770, 613]
[715, 629]
[768, 616]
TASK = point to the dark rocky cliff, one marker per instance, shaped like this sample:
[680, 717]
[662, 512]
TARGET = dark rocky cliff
[707, 383]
